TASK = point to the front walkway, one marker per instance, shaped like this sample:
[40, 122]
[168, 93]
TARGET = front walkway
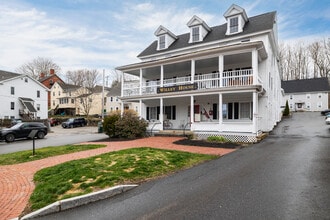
[16, 181]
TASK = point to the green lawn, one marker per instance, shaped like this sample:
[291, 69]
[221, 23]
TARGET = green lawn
[83, 176]
[26, 156]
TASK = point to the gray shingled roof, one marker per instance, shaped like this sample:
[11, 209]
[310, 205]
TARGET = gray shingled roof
[4, 75]
[255, 24]
[306, 85]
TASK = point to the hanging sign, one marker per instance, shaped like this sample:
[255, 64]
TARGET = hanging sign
[178, 88]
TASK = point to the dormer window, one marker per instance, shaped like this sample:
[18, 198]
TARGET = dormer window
[165, 38]
[162, 43]
[198, 29]
[236, 19]
[195, 34]
[233, 25]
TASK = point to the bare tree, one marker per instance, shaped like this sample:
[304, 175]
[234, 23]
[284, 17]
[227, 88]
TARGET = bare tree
[37, 66]
[319, 52]
[83, 77]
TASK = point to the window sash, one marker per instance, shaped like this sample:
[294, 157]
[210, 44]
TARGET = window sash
[195, 34]
[233, 25]
[162, 42]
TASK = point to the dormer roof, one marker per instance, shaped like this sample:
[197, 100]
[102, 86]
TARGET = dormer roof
[235, 10]
[195, 20]
[161, 30]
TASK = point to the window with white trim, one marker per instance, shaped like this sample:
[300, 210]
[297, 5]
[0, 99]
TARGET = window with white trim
[195, 34]
[162, 43]
[237, 110]
[12, 90]
[233, 25]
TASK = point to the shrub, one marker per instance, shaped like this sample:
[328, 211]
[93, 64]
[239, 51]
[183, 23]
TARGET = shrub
[286, 111]
[127, 126]
[109, 124]
[218, 139]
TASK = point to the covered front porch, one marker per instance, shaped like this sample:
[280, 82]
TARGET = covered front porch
[225, 113]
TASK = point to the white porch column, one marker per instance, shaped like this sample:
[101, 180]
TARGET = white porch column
[122, 108]
[192, 71]
[192, 116]
[221, 69]
[161, 76]
[122, 84]
[220, 112]
[140, 92]
[255, 112]
[255, 66]
[161, 116]
[140, 108]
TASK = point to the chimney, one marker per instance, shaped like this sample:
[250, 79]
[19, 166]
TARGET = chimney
[52, 71]
[42, 75]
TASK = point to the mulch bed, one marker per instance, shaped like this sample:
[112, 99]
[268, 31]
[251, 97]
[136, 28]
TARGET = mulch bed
[203, 143]
[187, 142]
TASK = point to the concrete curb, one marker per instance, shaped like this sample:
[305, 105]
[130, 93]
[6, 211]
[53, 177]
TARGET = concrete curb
[78, 201]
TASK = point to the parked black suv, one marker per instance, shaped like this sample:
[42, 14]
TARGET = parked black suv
[74, 122]
[22, 130]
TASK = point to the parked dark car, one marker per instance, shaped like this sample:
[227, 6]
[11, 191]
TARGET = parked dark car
[324, 112]
[74, 122]
[54, 122]
[22, 130]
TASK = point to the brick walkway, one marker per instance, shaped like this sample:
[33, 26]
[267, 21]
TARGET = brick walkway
[16, 181]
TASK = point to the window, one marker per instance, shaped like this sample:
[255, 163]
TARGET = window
[291, 96]
[236, 110]
[53, 93]
[308, 96]
[72, 101]
[53, 103]
[170, 112]
[319, 95]
[59, 93]
[38, 94]
[233, 25]
[116, 99]
[162, 42]
[26, 80]
[38, 107]
[111, 99]
[12, 90]
[12, 105]
[195, 34]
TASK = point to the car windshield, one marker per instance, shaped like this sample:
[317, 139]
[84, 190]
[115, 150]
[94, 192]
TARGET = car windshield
[18, 125]
[70, 120]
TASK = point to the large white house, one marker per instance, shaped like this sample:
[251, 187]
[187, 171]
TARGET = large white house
[222, 80]
[22, 97]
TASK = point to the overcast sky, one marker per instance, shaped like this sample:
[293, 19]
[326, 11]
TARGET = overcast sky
[104, 34]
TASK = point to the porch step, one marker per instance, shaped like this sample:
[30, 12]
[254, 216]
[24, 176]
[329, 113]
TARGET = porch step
[173, 133]
[261, 136]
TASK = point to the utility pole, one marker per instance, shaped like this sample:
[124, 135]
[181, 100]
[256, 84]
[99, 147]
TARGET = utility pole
[103, 96]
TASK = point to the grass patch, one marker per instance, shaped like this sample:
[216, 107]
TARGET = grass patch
[83, 176]
[26, 156]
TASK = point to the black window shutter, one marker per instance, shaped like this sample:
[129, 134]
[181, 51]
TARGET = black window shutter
[158, 112]
[215, 111]
[148, 117]
[173, 112]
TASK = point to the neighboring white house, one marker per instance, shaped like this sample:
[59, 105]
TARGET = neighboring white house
[307, 94]
[22, 97]
[222, 80]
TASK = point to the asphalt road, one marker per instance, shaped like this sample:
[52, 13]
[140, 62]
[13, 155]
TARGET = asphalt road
[57, 137]
[286, 176]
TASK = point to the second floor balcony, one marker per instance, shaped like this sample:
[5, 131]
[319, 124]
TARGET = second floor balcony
[214, 80]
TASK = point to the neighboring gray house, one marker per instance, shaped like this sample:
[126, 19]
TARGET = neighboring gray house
[307, 94]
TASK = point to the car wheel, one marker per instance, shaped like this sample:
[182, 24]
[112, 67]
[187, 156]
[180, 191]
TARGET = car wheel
[40, 135]
[10, 138]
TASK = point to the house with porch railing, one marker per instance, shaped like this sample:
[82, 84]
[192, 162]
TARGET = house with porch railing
[222, 80]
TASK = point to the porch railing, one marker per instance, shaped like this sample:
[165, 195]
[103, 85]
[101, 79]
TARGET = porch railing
[204, 81]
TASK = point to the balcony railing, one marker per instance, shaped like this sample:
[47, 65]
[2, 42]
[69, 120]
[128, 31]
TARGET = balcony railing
[204, 81]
